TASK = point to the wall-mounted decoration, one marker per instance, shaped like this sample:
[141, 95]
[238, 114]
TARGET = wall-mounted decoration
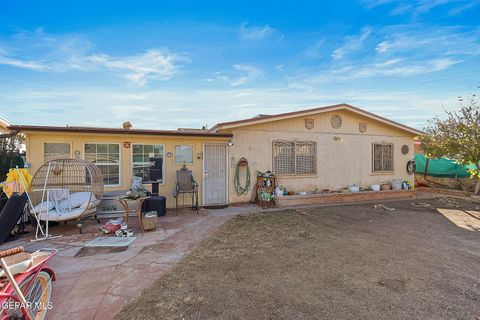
[411, 166]
[76, 153]
[200, 155]
[169, 154]
[405, 149]
[362, 127]
[336, 121]
[127, 144]
[309, 124]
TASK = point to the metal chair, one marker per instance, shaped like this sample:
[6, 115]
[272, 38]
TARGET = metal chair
[186, 184]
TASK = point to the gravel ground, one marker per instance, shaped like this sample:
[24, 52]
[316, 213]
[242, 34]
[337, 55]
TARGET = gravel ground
[342, 262]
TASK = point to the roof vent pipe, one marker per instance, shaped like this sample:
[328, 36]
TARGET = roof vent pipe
[127, 125]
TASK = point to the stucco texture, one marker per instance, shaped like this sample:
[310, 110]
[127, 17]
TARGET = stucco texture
[340, 162]
[35, 155]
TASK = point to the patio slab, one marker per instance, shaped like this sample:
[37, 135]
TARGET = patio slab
[99, 284]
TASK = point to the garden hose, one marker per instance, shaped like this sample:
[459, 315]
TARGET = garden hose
[238, 185]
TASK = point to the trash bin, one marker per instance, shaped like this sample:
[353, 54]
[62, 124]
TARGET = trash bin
[156, 203]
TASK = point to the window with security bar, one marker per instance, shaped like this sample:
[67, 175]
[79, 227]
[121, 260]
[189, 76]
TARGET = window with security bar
[382, 157]
[294, 157]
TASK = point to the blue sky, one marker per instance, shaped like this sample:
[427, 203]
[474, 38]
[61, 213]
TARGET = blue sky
[169, 64]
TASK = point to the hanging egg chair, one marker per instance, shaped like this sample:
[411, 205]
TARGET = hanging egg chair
[66, 189]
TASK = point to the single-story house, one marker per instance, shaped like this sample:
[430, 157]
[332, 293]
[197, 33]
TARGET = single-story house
[322, 148]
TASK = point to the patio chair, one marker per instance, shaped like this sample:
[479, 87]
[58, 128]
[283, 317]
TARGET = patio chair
[186, 185]
[10, 214]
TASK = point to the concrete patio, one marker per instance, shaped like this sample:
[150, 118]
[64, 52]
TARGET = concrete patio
[96, 284]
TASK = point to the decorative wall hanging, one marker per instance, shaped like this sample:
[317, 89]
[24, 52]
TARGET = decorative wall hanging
[362, 127]
[127, 144]
[309, 124]
[336, 121]
[405, 149]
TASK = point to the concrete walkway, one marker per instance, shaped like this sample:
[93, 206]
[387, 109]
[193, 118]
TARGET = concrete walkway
[97, 283]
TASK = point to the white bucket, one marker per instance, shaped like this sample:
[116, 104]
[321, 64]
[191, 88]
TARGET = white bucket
[397, 184]
[354, 188]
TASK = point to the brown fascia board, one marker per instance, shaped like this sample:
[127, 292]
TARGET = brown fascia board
[118, 131]
[319, 109]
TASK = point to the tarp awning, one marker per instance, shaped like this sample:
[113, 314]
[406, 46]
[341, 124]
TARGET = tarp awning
[442, 167]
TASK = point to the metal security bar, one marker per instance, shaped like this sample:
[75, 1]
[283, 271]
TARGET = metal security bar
[382, 157]
[294, 157]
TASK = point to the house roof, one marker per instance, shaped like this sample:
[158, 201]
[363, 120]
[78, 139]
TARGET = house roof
[282, 116]
[99, 130]
[4, 124]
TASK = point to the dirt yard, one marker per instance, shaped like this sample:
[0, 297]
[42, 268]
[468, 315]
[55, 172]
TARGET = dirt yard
[341, 262]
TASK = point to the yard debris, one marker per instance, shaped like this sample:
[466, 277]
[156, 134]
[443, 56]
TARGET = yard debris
[449, 202]
[382, 207]
[305, 213]
[421, 204]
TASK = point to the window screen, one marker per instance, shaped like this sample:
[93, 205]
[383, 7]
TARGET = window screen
[53, 151]
[183, 154]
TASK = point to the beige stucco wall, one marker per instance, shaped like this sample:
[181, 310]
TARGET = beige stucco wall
[35, 142]
[339, 163]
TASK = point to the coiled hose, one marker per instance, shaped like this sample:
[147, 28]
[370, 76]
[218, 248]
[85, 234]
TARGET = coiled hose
[239, 189]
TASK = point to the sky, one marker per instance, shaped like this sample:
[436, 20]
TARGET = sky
[170, 64]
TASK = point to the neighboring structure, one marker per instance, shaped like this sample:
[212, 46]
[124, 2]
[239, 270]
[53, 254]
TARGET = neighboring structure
[329, 147]
[323, 148]
[4, 124]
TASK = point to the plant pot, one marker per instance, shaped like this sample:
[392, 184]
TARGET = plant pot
[375, 187]
[354, 188]
[385, 186]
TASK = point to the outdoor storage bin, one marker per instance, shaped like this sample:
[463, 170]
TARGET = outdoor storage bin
[156, 203]
[149, 220]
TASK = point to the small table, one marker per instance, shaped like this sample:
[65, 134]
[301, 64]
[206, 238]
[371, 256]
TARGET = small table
[124, 202]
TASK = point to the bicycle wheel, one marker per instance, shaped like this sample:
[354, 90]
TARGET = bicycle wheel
[37, 296]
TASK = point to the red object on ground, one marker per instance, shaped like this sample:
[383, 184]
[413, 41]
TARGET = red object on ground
[112, 227]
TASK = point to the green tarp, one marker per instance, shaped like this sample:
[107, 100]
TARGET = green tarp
[441, 167]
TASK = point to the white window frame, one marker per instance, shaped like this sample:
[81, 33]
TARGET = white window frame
[373, 158]
[108, 163]
[295, 142]
[182, 163]
[164, 178]
[61, 142]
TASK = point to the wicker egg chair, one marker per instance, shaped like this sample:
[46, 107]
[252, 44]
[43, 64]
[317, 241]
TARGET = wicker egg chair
[66, 189]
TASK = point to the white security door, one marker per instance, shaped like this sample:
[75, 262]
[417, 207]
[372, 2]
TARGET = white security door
[215, 174]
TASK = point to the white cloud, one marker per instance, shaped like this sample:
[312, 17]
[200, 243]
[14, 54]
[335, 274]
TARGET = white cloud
[147, 108]
[32, 65]
[351, 44]
[243, 74]
[419, 7]
[389, 68]
[438, 40]
[153, 64]
[39, 51]
[247, 32]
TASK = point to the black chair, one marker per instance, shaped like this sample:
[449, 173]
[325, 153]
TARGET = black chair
[10, 214]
